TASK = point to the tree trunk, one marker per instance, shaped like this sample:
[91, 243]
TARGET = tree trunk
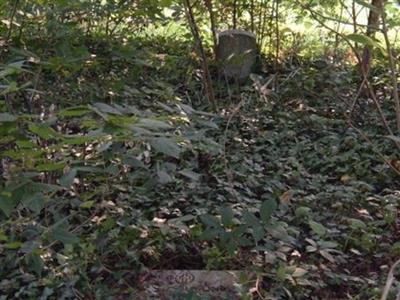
[373, 26]
[199, 46]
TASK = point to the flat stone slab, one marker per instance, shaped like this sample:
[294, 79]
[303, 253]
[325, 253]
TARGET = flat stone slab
[178, 284]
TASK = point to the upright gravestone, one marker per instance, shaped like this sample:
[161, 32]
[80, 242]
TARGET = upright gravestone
[236, 53]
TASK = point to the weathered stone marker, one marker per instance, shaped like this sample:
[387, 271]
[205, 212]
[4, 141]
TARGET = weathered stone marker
[175, 284]
[236, 52]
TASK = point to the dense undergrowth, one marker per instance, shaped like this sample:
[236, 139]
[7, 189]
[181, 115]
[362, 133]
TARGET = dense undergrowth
[112, 163]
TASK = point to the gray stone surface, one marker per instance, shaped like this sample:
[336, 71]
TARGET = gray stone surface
[236, 52]
[179, 284]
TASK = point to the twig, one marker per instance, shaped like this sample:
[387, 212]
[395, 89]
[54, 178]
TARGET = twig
[228, 172]
[393, 71]
[389, 281]
[334, 19]
[34, 91]
[258, 289]
[356, 97]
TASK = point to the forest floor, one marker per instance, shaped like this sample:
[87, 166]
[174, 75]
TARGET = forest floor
[118, 166]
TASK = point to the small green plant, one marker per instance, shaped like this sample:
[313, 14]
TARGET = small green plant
[231, 232]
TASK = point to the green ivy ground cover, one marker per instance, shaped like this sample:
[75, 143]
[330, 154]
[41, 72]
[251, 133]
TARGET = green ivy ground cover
[124, 169]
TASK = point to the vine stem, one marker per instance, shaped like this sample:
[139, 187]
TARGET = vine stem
[14, 11]
[389, 280]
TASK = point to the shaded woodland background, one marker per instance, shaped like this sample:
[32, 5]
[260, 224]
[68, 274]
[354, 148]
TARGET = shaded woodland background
[122, 149]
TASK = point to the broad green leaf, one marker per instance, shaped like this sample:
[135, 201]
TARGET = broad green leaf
[311, 249]
[6, 117]
[4, 140]
[302, 211]
[187, 108]
[35, 263]
[106, 108]
[50, 167]
[31, 246]
[152, 124]
[327, 255]
[166, 146]
[231, 247]
[190, 174]
[318, 228]
[35, 202]
[12, 68]
[23, 153]
[164, 177]
[7, 128]
[139, 131]
[363, 39]
[299, 272]
[258, 233]
[122, 121]
[210, 221]
[12, 87]
[13, 245]
[61, 233]
[68, 179]
[225, 236]
[166, 3]
[209, 234]
[281, 273]
[245, 242]
[65, 237]
[7, 204]
[209, 124]
[327, 245]
[226, 216]
[238, 231]
[250, 219]
[184, 218]
[74, 111]
[141, 62]
[89, 169]
[3, 236]
[26, 144]
[133, 162]
[87, 204]
[267, 209]
[279, 232]
[44, 131]
[357, 224]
